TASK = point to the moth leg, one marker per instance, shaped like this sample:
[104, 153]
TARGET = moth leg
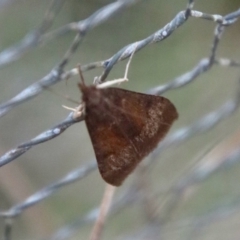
[119, 80]
[78, 111]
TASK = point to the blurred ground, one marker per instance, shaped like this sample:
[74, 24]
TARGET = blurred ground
[154, 65]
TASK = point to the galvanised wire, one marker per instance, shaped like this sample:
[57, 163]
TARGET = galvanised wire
[58, 73]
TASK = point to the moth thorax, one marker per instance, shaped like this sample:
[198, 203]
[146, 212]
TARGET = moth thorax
[92, 95]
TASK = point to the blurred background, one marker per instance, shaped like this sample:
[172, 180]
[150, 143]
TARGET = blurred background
[209, 209]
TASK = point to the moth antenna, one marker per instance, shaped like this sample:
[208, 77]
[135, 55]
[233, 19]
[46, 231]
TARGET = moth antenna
[81, 75]
[61, 95]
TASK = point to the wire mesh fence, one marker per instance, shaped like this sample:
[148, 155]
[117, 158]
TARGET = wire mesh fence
[184, 189]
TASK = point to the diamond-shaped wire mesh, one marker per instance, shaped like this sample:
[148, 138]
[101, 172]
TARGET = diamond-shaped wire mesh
[49, 184]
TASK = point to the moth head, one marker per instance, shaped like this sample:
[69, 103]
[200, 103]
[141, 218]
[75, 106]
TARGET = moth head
[90, 94]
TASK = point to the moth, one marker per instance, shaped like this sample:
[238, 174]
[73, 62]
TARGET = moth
[124, 127]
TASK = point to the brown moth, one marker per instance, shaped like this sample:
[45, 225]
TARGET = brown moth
[124, 127]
